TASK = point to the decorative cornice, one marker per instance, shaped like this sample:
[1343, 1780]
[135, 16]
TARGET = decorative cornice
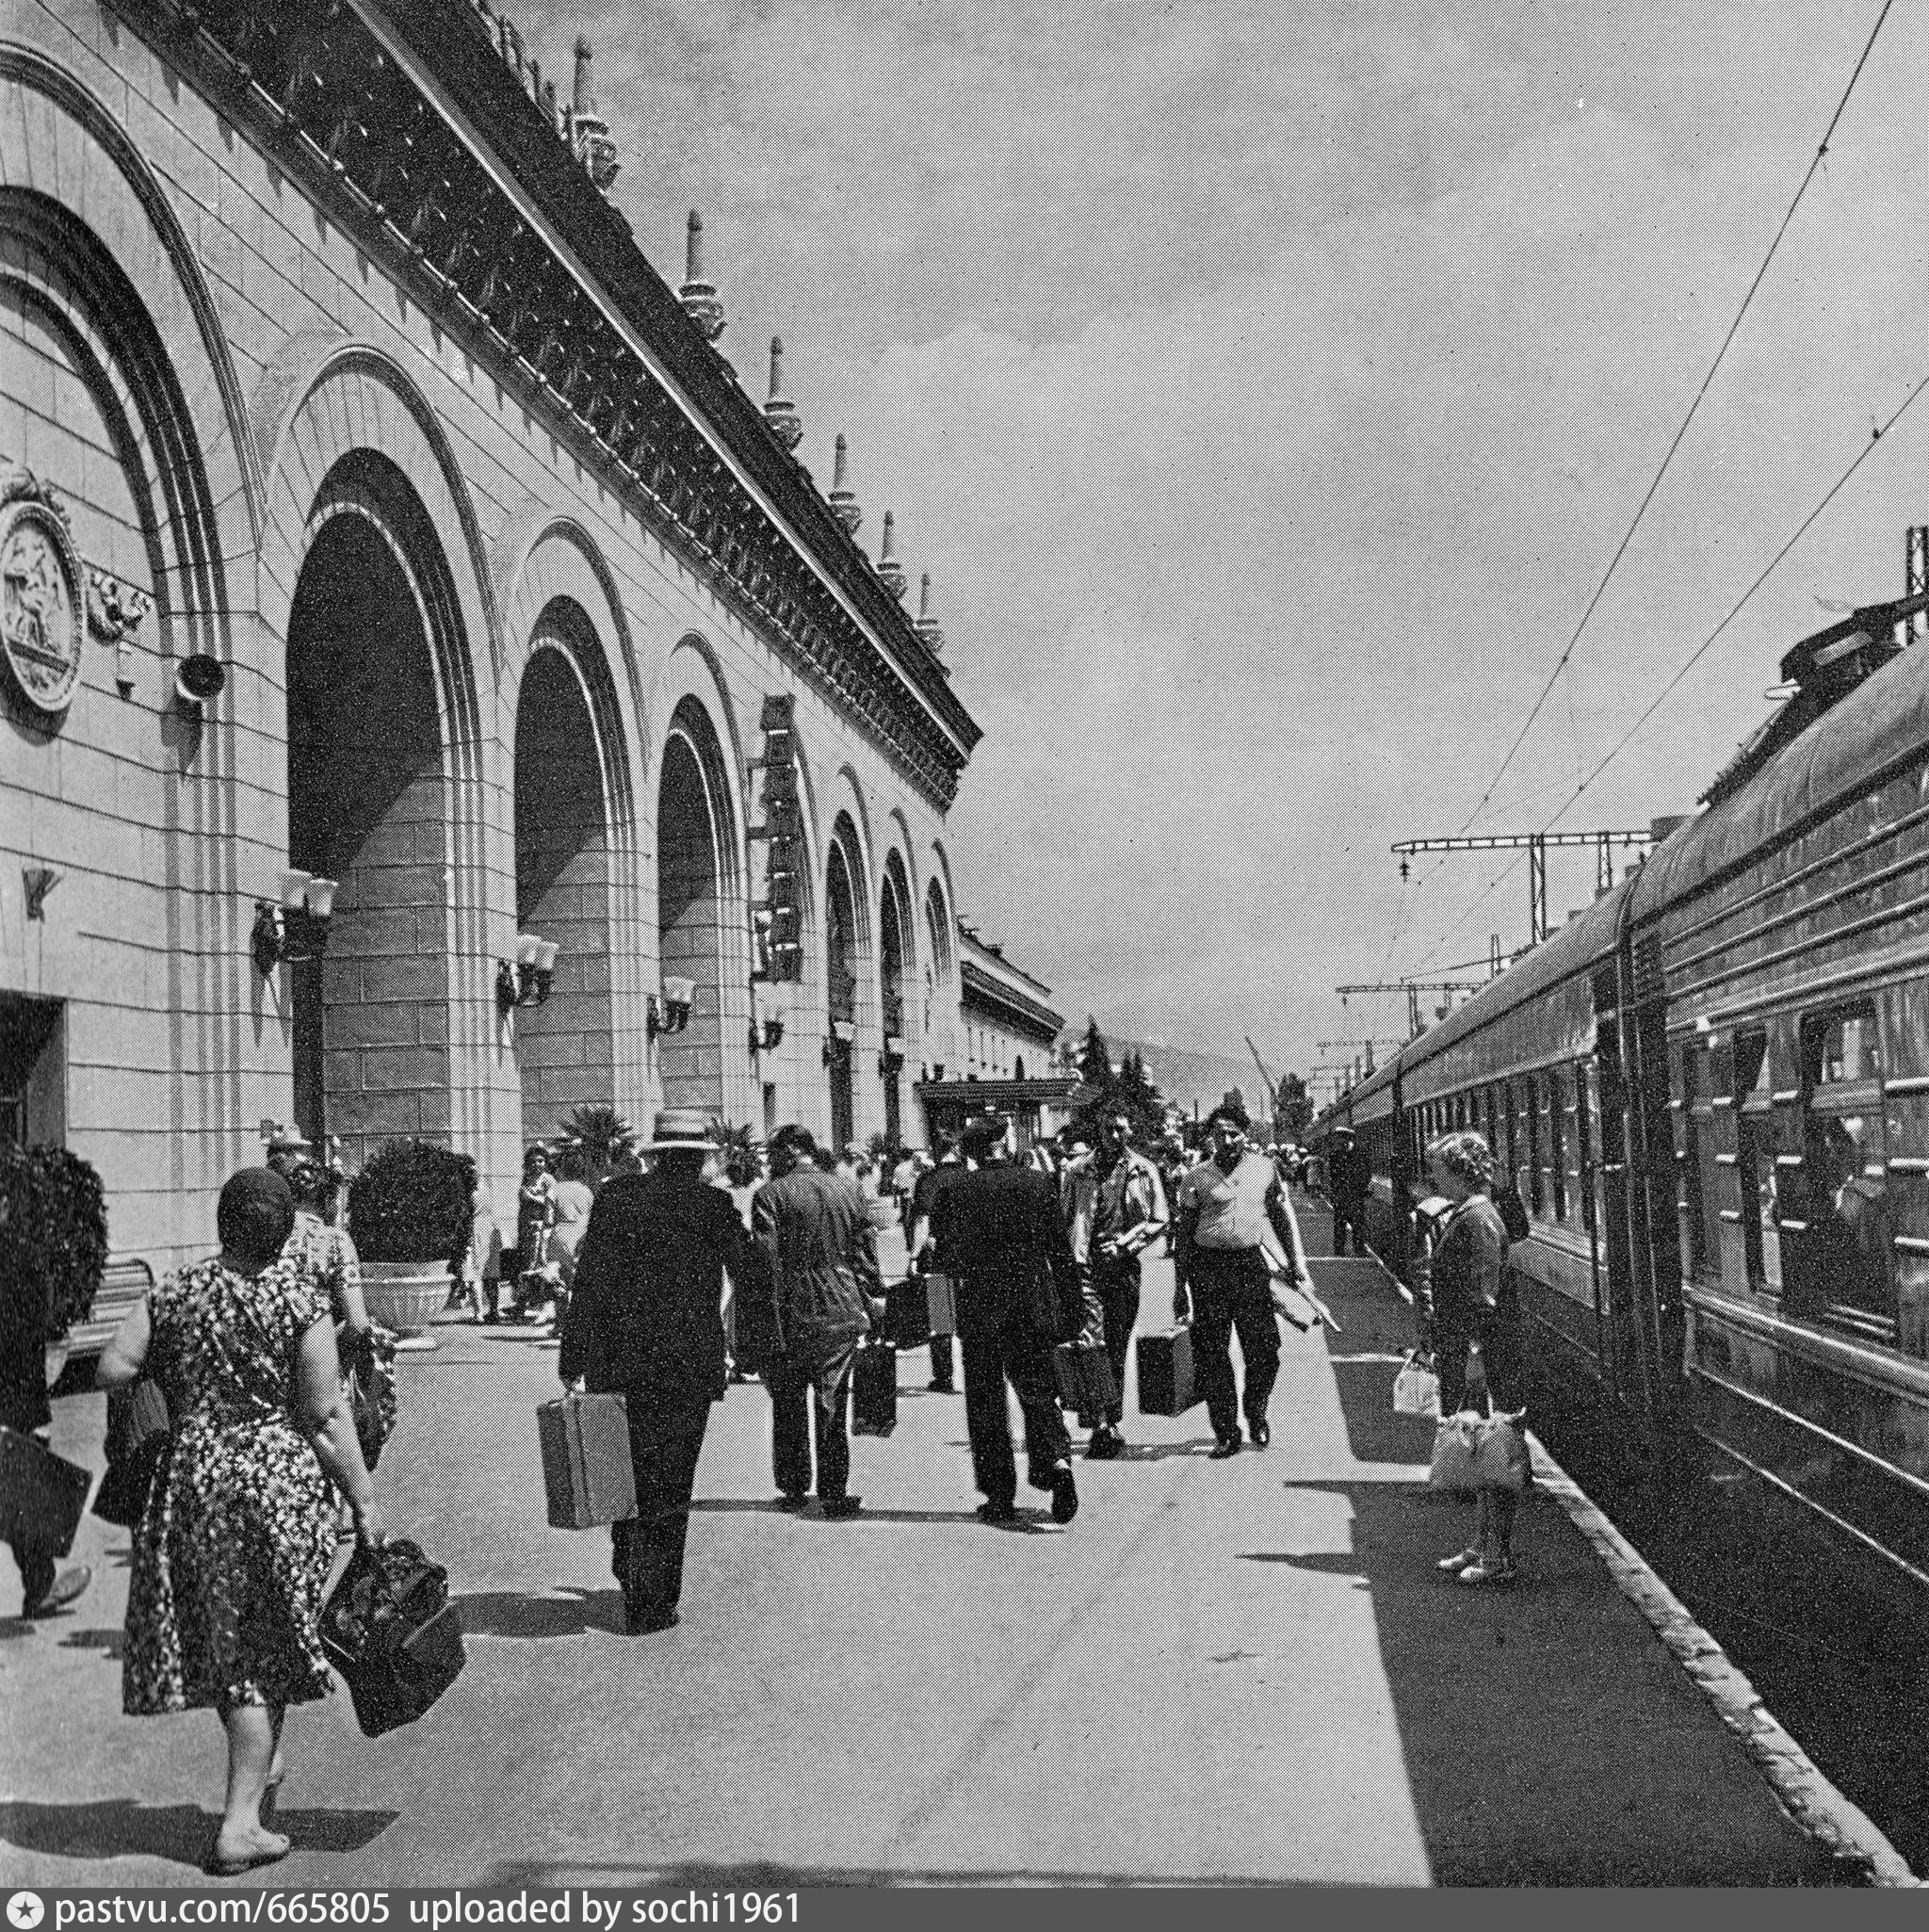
[983, 993]
[328, 99]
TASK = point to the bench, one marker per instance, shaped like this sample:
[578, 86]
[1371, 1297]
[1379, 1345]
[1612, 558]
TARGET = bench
[122, 1283]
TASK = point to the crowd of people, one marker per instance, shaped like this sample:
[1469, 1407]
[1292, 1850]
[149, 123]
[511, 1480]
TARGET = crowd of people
[659, 1274]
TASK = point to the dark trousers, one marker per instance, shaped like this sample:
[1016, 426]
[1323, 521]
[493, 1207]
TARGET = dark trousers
[941, 1358]
[803, 1412]
[1010, 1350]
[1232, 1290]
[646, 1551]
[1348, 1215]
[1113, 1294]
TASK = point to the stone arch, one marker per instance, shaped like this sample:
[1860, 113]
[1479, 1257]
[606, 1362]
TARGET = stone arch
[850, 971]
[938, 979]
[114, 292]
[700, 920]
[897, 979]
[388, 1030]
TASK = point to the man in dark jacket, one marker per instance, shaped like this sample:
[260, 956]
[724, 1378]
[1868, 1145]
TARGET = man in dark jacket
[925, 1254]
[820, 1256]
[645, 1320]
[1348, 1174]
[1001, 1229]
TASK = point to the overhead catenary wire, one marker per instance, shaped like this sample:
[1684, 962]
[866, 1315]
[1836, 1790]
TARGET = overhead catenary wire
[1694, 657]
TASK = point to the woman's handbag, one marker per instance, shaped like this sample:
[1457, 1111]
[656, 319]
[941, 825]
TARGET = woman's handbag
[1506, 1198]
[389, 1628]
[372, 1387]
[1057, 1304]
[139, 1434]
[1455, 1443]
[1500, 1457]
[1417, 1387]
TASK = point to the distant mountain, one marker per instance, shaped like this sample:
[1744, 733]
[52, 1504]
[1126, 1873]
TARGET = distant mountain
[1192, 1079]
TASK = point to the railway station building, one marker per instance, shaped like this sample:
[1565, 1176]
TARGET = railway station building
[437, 695]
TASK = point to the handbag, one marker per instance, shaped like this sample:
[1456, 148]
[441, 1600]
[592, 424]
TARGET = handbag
[371, 1388]
[1417, 1387]
[1500, 1457]
[1455, 1442]
[389, 1628]
[1057, 1303]
[1506, 1198]
[139, 1435]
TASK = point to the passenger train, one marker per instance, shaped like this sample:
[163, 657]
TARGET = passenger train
[1712, 1089]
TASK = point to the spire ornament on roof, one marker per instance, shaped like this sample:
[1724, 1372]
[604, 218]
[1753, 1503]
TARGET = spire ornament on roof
[927, 625]
[699, 297]
[890, 572]
[596, 147]
[780, 412]
[843, 503]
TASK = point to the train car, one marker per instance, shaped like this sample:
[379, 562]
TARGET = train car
[1712, 1089]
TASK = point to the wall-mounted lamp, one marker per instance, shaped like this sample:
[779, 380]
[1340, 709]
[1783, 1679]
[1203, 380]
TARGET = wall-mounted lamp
[525, 984]
[766, 1038]
[891, 1061]
[298, 928]
[836, 1049]
[37, 881]
[669, 1013]
[199, 679]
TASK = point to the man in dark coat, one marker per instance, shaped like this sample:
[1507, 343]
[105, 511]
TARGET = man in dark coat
[1019, 1292]
[1348, 1173]
[645, 1320]
[820, 1256]
[925, 1254]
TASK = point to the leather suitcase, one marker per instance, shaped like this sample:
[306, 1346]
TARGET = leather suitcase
[1165, 1374]
[907, 1312]
[587, 1470]
[1085, 1380]
[41, 1495]
[941, 1303]
[874, 1390]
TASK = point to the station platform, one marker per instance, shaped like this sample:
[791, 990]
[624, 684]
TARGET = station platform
[1245, 1672]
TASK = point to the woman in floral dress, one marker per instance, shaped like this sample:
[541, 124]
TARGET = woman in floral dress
[232, 1554]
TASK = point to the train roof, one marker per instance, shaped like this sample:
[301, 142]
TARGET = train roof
[1578, 947]
[1883, 723]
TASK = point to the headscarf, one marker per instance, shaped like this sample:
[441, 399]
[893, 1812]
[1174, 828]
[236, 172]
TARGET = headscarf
[257, 1215]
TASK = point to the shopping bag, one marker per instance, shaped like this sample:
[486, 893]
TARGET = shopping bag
[588, 1471]
[874, 1390]
[41, 1495]
[1417, 1387]
[389, 1628]
[1455, 1442]
[941, 1303]
[370, 1384]
[138, 1437]
[1500, 1457]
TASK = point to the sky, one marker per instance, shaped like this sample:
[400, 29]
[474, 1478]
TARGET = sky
[1268, 389]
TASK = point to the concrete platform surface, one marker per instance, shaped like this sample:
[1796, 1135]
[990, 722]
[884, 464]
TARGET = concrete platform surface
[1248, 1671]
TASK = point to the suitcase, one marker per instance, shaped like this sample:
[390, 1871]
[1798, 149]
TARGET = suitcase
[41, 1495]
[389, 1628]
[874, 1390]
[941, 1303]
[586, 1462]
[907, 1313]
[1165, 1374]
[1085, 1380]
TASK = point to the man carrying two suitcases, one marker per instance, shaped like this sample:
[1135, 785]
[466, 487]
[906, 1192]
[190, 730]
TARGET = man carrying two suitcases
[820, 1254]
[645, 1320]
[1227, 1207]
[1001, 1229]
[1114, 1207]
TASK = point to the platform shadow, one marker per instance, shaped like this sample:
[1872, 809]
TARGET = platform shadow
[112, 1642]
[515, 1614]
[730, 1505]
[124, 1829]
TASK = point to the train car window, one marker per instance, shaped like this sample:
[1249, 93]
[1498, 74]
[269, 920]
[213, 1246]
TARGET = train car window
[1557, 1142]
[1701, 1163]
[1583, 1145]
[1534, 1128]
[1509, 1158]
[1488, 1110]
[1847, 1258]
[1756, 1209]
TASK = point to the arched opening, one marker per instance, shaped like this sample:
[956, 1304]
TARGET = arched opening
[840, 980]
[369, 805]
[937, 1020]
[893, 949]
[564, 882]
[692, 831]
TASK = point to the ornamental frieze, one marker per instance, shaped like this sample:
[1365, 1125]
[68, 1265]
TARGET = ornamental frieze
[42, 626]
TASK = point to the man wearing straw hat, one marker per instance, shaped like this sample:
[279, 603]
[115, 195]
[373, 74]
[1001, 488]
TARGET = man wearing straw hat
[645, 1320]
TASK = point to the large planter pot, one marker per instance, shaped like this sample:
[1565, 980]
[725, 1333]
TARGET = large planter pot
[405, 1295]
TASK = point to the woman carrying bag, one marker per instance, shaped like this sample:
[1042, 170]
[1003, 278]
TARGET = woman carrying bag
[234, 1548]
[1474, 1319]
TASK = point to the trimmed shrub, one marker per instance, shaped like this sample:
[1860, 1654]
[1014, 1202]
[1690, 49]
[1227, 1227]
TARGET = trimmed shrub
[53, 1232]
[412, 1202]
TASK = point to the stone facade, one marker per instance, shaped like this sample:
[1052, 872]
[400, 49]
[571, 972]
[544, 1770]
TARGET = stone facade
[500, 568]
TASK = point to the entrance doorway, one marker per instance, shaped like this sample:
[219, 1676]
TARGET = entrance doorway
[33, 1072]
[693, 877]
